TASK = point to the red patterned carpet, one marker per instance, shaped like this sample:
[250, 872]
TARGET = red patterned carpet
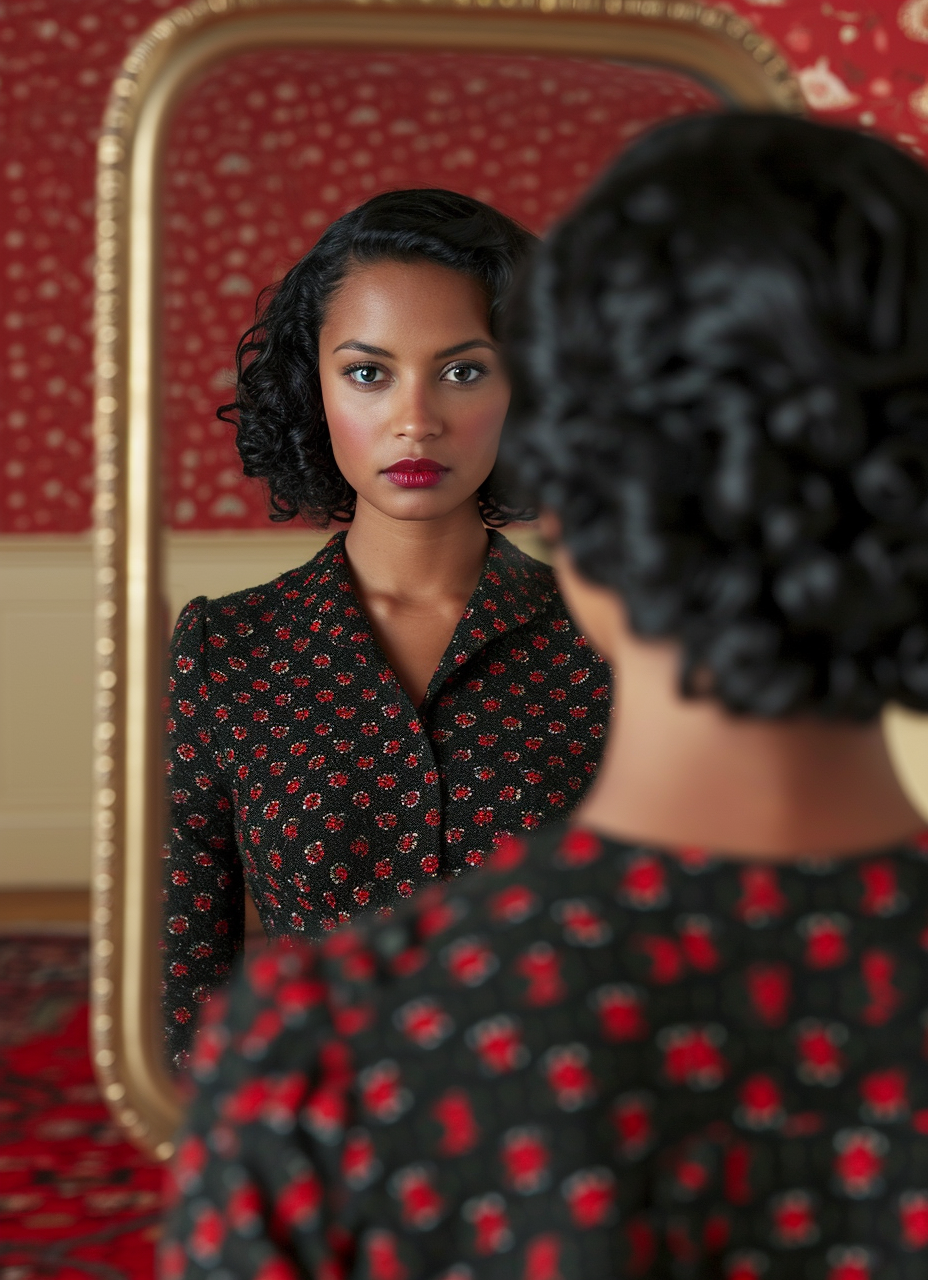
[75, 1200]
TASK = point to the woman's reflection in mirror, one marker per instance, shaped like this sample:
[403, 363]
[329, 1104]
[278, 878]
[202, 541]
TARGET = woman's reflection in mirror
[376, 718]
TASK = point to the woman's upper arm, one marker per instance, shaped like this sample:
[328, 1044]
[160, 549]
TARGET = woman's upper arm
[203, 886]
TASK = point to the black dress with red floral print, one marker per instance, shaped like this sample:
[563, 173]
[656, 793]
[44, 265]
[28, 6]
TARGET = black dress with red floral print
[591, 1061]
[298, 765]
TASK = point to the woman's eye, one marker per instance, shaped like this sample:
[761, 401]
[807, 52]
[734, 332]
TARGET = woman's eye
[365, 375]
[464, 373]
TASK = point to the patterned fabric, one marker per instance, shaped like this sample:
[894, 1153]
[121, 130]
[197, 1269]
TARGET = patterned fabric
[299, 764]
[591, 1061]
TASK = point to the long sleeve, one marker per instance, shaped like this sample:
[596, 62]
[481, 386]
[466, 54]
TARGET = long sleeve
[204, 895]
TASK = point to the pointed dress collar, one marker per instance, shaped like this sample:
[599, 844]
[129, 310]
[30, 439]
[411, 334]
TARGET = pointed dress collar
[512, 589]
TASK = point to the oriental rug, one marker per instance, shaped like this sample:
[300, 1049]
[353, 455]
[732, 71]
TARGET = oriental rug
[76, 1200]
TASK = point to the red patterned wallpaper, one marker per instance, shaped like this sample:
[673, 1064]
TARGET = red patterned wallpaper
[262, 159]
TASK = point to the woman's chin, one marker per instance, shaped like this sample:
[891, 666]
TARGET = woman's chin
[429, 503]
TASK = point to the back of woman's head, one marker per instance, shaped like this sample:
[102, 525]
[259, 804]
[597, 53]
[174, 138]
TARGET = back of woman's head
[720, 369]
[281, 436]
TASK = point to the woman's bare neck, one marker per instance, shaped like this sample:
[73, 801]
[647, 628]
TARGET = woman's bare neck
[416, 560]
[414, 579]
[685, 772]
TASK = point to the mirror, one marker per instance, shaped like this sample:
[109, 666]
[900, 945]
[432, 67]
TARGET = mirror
[235, 133]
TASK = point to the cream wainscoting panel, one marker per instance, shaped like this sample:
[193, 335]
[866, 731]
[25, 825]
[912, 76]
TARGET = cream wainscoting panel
[46, 672]
[908, 745]
[46, 665]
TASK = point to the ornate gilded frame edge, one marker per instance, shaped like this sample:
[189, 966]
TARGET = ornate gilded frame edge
[712, 43]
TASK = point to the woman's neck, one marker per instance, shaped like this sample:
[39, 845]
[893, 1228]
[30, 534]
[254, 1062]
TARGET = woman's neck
[414, 579]
[684, 772]
[416, 560]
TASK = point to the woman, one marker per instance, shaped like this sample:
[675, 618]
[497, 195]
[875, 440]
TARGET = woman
[683, 1037]
[371, 720]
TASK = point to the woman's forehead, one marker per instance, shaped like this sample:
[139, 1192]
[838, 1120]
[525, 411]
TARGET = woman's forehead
[408, 300]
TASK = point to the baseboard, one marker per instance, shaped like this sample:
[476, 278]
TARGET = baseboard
[41, 908]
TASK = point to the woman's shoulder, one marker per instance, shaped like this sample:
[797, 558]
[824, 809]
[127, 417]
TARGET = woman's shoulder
[512, 566]
[530, 586]
[516, 550]
[259, 607]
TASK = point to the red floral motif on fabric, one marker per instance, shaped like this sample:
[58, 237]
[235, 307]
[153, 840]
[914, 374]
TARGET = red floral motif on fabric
[764, 1138]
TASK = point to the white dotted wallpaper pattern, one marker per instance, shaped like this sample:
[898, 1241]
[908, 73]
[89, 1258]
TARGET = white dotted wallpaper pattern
[270, 150]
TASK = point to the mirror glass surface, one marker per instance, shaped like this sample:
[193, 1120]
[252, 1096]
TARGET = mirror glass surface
[235, 133]
[267, 150]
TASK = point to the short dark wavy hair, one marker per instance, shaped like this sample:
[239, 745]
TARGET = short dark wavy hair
[720, 367]
[281, 432]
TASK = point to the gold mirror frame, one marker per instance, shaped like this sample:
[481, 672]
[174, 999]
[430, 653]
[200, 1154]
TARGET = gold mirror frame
[712, 44]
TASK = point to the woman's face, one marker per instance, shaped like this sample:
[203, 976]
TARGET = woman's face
[414, 388]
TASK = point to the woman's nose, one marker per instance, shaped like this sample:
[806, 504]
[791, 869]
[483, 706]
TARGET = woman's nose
[416, 416]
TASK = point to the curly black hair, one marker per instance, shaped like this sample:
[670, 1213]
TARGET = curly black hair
[720, 386]
[281, 432]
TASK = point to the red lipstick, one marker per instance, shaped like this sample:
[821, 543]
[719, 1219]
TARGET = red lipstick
[416, 473]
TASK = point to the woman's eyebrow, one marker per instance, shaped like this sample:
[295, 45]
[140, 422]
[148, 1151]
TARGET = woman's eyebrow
[353, 345]
[465, 346]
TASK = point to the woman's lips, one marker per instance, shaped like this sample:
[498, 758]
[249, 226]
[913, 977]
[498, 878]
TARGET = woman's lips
[416, 473]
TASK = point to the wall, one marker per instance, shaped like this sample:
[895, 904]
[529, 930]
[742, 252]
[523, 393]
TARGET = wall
[862, 64]
[46, 628]
[45, 689]
[260, 163]
[46, 635]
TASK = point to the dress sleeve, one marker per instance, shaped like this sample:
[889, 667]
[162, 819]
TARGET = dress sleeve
[203, 885]
[252, 1194]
